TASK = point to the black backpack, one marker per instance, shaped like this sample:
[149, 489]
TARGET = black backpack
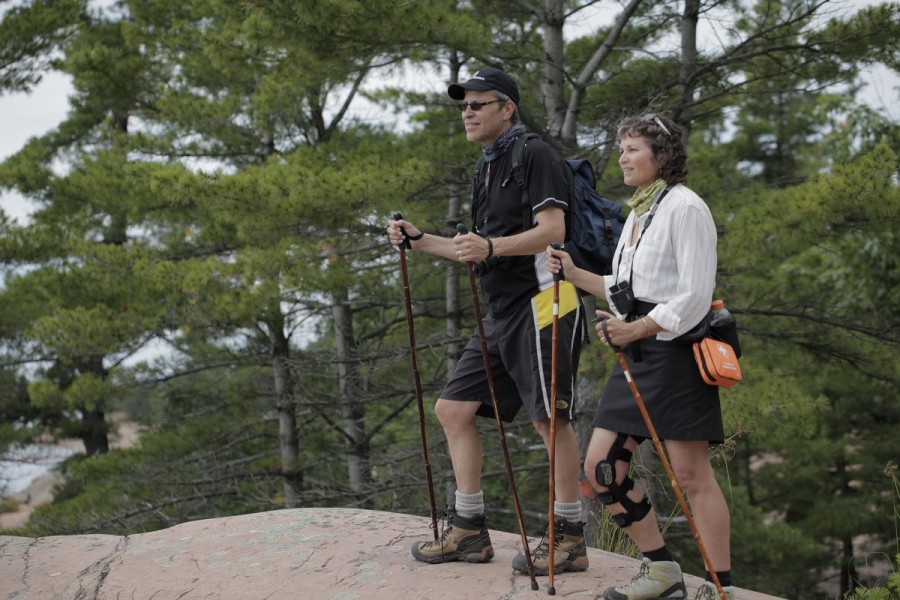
[593, 223]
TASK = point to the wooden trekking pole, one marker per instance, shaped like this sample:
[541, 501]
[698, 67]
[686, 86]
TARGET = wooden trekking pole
[551, 525]
[415, 366]
[665, 461]
[490, 380]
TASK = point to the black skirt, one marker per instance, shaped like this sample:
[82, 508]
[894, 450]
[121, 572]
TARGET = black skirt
[680, 404]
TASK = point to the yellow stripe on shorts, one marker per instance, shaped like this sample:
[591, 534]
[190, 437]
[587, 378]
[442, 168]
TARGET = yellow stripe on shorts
[543, 303]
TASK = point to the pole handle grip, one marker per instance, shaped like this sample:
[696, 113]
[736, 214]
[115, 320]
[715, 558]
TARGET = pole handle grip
[406, 243]
[561, 276]
[603, 326]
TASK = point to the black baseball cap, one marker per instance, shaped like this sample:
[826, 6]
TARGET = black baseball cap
[487, 78]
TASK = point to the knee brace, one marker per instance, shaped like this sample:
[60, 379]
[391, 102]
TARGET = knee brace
[618, 492]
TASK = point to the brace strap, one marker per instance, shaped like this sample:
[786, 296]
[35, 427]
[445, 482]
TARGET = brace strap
[618, 492]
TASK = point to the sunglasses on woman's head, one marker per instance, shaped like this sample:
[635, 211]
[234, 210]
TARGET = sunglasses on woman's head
[652, 117]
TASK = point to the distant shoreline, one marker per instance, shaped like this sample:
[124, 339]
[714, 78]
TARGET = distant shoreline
[39, 490]
[21, 465]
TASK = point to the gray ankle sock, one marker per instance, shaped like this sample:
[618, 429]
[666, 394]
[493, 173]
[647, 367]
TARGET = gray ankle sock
[570, 511]
[469, 506]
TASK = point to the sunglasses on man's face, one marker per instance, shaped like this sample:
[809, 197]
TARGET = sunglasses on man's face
[476, 106]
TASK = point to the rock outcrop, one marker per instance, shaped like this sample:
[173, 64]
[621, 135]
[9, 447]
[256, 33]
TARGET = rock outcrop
[297, 554]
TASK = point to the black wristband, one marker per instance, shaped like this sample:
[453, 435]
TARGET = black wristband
[416, 238]
[490, 248]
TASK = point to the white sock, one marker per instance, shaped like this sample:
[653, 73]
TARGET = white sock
[469, 506]
[570, 511]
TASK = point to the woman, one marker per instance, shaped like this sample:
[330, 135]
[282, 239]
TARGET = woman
[667, 259]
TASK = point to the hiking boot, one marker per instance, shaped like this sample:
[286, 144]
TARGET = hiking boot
[708, 591]
[569, 553]
[461, 539]
[658, 580]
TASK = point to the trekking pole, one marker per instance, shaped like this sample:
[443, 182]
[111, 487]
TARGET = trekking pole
[551, 588]
[490, 379]
[665, 461]
[415, 366]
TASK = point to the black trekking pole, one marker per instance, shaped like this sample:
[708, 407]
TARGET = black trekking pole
[490, 379]
[415, 366]
[665, 461]
[551, 588]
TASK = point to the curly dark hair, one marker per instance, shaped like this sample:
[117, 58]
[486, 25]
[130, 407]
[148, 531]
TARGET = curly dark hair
[664, 138]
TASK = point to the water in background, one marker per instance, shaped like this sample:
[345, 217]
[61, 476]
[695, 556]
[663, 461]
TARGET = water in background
[20, 465]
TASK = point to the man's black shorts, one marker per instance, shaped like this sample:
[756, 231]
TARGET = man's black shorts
[520, 347]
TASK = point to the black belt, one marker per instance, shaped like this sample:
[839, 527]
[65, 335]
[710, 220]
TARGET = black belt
[641, 309]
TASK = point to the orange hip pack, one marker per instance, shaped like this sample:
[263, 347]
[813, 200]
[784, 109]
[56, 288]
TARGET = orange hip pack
[718, 363]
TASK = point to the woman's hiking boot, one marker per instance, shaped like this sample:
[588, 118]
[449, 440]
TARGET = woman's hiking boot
[708, 591]
[569, 553]
[461, 539]
[657, 580]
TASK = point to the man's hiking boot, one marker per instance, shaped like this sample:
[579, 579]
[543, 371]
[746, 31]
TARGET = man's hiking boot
[658, 580]
[461, 539]
[708, 591]
[569, 553]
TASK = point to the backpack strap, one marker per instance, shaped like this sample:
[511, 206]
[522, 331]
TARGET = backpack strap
[518, 174]
[478, 167]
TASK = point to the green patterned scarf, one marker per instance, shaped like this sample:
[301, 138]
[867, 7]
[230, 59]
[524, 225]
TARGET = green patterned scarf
[642, 200]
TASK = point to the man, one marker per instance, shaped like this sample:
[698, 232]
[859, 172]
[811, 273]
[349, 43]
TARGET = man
[518, 326]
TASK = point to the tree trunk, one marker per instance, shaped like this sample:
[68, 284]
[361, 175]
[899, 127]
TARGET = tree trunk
[849, 575]
[684, 114]
[291, 472]
[453, 317]
[585, 77]
[94, 430]
[451, 283]
[352, 412]
[554, 80]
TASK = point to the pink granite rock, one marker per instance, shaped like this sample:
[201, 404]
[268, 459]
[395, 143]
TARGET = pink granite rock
[297, 554]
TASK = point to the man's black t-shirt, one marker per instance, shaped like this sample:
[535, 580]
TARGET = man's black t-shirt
[499, 213]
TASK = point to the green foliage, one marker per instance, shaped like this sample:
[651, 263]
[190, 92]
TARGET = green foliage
[762, 546]
[47, 395]
[890, 591]
[819, 414]
[191, 469]
[891, 588]
[212, 255]
[29, 35]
